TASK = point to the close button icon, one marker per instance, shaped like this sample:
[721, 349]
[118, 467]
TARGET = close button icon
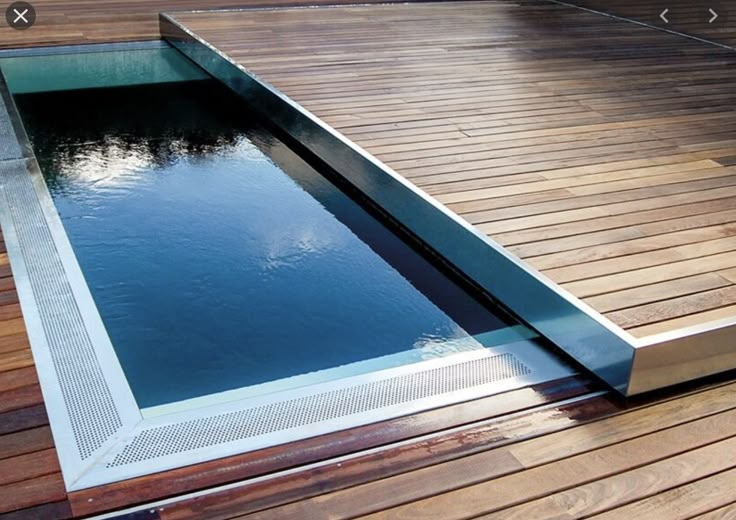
[20, 15]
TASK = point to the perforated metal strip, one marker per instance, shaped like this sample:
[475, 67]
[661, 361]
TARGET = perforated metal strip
[9, 148]
[295, 413]
[92, 412]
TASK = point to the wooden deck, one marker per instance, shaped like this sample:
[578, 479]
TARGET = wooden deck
[525, 454]
[600, 152]
[67, 22]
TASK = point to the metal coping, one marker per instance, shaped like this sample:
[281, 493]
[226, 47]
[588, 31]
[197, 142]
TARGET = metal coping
[630, 365]
[99, 431]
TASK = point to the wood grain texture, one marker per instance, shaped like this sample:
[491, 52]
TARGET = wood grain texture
[65, 22]
[441, 486]
[596, 150]
[585, 469]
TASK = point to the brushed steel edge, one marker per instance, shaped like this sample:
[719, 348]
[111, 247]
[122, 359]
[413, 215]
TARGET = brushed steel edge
[684, 354]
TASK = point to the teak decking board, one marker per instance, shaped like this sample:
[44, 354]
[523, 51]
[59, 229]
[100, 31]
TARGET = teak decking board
[598, 151]
[70, 22]
[30, 477]
[646, 461]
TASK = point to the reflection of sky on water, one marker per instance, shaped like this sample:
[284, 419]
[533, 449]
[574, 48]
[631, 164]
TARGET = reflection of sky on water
[212, 268]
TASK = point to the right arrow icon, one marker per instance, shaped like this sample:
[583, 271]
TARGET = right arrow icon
[715, 15]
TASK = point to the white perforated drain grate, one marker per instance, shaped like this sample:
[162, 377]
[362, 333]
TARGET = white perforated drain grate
[92, 412]
[294, 413]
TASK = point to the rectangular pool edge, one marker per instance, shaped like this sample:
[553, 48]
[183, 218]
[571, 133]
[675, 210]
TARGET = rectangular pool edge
[111, 442]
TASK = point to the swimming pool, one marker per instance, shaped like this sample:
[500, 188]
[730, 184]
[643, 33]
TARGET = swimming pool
[201, 274]
[219, 259]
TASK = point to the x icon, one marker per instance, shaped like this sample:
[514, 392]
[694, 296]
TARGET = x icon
[20, 15]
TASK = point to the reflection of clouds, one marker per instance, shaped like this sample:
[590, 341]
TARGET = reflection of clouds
[115, 162]
[246, 150]
[111, 164]
[453, 340]
[309, 234]
[292, 247]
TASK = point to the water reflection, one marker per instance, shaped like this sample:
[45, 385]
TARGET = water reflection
[213, 269]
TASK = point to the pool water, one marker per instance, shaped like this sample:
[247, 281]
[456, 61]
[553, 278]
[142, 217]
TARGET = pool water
[219, 259]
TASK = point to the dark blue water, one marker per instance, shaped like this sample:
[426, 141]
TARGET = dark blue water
[218, 258]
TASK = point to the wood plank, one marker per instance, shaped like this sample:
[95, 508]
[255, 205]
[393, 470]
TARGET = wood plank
[436, 492]
[674, 308]
[684, 501]
[643, 482]
[15, 359]
[640, 277]
[722, 513]
[657, 292]
[49, 511]
[23, 419]
[8, 312]
[29, 493]
[28, 466]
[10, 380]
[14, 342]
[586, 270]
[26, 441]
[12, 326]
[72, 21]
[683, 322]
[21, 397]
[686, 17]
[536, 451]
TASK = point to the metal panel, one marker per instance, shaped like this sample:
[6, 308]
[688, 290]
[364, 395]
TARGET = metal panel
[9, 146]
[301, 411]
[684, 355]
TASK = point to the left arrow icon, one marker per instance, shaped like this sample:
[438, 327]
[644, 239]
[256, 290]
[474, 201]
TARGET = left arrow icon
[663, 15]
